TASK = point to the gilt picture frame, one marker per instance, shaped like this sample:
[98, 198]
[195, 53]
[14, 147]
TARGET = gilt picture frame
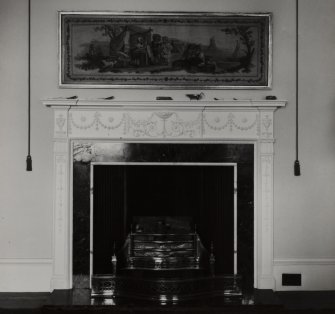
[165, 50]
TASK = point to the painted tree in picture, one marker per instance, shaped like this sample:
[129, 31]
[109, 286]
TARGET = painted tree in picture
[244, 35]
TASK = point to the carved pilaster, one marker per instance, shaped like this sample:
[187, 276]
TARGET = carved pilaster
[61, 217]
[265, 215]
[265, 211]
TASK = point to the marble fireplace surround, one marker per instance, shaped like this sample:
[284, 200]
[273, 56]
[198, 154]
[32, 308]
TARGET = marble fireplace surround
[235, 121]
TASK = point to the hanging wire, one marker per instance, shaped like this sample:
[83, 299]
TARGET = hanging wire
[297, 171]
[29, 160]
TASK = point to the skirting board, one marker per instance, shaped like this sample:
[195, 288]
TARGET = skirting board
[25, 275]
[34, 275]
[316, 274]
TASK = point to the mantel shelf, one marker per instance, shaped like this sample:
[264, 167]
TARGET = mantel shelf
[202, 104]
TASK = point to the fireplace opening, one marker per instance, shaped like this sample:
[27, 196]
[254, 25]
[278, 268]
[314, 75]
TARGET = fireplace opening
[202, 193]
[116, 185]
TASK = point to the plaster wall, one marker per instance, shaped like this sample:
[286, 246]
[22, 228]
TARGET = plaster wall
[303, 206]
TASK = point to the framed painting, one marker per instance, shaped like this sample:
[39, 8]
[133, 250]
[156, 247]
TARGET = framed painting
[165, 50]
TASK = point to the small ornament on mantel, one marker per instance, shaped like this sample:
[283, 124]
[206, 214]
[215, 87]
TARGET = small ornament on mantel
[222, 99]
[164, 98]
[196, 96]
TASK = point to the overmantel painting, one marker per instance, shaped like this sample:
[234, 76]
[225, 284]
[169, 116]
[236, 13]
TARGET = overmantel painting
[165, 50]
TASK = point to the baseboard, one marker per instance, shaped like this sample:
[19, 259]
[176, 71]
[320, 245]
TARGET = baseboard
[25, 274]
[266, 282]
[35, 275]
[59, 283]
[316, 274]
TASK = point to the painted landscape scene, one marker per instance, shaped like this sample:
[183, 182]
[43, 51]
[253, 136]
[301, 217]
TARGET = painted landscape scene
[158, 50]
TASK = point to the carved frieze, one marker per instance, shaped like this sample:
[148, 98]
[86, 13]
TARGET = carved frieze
[138, 124]
[169, 124]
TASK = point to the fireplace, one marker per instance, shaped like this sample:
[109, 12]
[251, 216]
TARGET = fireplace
[176, 137]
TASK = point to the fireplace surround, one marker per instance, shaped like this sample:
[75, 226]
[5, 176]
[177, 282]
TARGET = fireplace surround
[192, 122]
[205, 182]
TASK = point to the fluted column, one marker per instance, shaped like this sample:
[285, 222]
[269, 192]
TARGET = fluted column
[61, 213]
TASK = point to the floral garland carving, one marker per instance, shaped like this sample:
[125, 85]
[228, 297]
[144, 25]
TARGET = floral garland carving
[231, 123]
[97, 122]
[164, 124]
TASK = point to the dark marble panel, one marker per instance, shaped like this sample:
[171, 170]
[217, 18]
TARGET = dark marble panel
[157, 152]
[81, 218]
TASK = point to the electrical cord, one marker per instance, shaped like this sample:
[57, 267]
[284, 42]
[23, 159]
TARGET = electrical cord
[29, 166]
[297, 171]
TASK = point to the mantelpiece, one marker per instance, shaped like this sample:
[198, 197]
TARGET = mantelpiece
[233, 121]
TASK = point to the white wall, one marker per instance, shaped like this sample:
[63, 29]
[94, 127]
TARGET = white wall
[304, 206]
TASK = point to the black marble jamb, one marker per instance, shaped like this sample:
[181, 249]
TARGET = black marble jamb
[81, 218]
[242, 154]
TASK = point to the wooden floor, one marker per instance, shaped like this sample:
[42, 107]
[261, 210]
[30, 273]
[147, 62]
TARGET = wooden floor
[290, 300]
